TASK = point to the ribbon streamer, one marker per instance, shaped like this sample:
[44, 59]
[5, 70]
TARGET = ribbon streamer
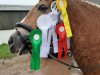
[54, 16]
[55, 40]
[62, 5]
[35, 38]
[62, 41]
[44, 23]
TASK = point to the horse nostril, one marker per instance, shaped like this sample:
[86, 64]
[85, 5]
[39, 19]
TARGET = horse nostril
[12, 49]
[10, 41]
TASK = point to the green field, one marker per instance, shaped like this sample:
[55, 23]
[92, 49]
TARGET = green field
[5, 52]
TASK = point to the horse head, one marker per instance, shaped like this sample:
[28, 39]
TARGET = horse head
[15, 41]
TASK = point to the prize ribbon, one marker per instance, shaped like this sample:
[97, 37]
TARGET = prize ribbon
[62, 5]
[62, 41]
[54, 16]
[44, 23]
[35, 38]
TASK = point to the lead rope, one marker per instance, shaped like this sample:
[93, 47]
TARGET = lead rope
[66, 64]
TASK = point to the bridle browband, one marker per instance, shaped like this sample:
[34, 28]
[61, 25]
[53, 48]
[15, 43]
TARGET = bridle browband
[27, 45]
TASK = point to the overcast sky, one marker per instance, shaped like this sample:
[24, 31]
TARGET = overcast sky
[18, 2]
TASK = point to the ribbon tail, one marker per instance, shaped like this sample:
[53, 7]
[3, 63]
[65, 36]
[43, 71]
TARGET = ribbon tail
[43, 51]
[55, 42]
[49, 41]
[66, 23]
[65, 50]
[35, 59]
[59, 51]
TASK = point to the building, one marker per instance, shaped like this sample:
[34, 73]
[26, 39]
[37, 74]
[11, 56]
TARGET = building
[12, 11]
[10, 14]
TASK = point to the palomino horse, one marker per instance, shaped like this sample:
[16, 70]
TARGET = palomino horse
[85, 24]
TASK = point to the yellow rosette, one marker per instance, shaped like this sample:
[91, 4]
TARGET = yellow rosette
[61, 6]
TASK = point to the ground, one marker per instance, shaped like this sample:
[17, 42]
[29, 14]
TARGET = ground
[11, 64]
[19, 65]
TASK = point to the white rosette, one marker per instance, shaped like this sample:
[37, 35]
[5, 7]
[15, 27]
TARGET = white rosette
[44, 23]
[54, 16]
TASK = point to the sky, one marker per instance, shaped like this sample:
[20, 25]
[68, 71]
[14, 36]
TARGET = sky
[18, 2]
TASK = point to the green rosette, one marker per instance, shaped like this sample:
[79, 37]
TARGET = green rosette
[35, 38]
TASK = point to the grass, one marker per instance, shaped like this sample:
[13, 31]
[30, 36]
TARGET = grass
[5, 52]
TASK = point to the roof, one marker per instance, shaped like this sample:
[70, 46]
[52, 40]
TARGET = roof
[18, 2]
[14, 7]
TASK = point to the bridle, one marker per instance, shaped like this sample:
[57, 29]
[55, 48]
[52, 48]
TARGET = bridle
[26, 42]
[27, 45]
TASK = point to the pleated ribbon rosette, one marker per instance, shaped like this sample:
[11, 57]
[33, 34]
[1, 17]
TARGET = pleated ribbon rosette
[62, 41]
[54, 16]
[61, 6]
[35, 38]
[44, 23]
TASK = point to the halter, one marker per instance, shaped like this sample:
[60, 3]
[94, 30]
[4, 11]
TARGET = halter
[26, 42]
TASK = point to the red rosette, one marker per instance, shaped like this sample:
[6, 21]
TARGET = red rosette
[62, 39]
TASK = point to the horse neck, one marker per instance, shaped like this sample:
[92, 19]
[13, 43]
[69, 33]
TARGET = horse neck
[85, 23]
[84, 18]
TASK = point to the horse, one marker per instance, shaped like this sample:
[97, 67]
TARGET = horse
[84, 18]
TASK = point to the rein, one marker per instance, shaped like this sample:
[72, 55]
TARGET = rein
[27, 43]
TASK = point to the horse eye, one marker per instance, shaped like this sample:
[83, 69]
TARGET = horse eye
[42, 7]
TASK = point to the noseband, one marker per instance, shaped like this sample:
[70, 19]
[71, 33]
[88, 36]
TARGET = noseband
[26, 27]
[26, 42]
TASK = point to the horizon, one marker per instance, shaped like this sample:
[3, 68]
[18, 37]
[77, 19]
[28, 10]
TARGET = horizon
[18, 2]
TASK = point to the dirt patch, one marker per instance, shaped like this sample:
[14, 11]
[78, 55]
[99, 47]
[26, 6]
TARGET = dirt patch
[20, 66]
